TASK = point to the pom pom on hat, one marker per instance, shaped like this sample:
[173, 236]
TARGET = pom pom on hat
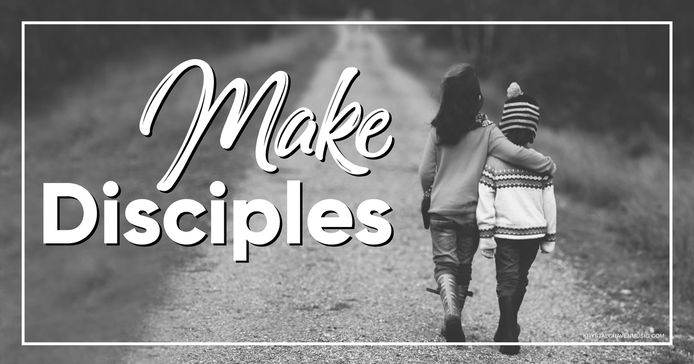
[513, 90]
[520, 111]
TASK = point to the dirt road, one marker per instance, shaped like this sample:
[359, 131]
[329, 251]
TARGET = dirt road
[356, 293]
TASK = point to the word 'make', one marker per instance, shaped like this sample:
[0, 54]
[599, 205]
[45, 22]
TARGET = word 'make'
[338, 123]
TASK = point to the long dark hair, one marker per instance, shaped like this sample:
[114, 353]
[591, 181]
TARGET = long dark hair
[461, 101]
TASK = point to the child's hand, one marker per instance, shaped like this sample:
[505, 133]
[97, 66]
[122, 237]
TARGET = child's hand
[547, 247]
[488, 253]
[553, 171]
[487, 247]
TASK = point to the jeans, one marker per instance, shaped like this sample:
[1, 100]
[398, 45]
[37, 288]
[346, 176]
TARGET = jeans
[454, 246]
[513, 261]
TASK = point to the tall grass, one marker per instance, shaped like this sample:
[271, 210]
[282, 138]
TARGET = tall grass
[683, 269]
[596, 170]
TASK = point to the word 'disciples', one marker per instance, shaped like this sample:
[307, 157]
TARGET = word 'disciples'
[328, 214]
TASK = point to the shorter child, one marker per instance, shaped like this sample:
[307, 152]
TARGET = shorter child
[516, 215]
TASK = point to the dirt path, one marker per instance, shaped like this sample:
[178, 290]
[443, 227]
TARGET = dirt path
[356, 293]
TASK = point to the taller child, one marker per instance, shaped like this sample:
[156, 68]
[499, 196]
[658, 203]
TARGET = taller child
[454, 157]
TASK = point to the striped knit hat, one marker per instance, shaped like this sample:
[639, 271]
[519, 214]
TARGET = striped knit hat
[520, 111]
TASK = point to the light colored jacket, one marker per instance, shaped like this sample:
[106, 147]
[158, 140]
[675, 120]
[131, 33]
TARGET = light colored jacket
[515, 204]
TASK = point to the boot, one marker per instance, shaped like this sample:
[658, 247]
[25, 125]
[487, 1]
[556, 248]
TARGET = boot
[452, 329]
[507, 330]
[517, 301]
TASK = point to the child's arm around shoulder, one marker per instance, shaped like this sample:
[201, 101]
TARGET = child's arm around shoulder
[504, 149]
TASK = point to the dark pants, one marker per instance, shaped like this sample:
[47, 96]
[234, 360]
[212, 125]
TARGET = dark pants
[513, 261]
[454, 246]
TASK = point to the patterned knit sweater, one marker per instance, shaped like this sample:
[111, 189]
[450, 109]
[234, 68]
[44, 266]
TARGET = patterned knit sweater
[515, 204]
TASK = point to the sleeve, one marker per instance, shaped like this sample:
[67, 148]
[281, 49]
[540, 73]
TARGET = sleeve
[504, 149]
[427, 167]
[486, 214]
[550, 210]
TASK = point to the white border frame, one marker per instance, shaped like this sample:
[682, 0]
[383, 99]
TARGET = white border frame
[284, 343]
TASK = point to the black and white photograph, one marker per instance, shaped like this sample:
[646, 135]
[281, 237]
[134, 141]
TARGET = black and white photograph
[307, 181]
